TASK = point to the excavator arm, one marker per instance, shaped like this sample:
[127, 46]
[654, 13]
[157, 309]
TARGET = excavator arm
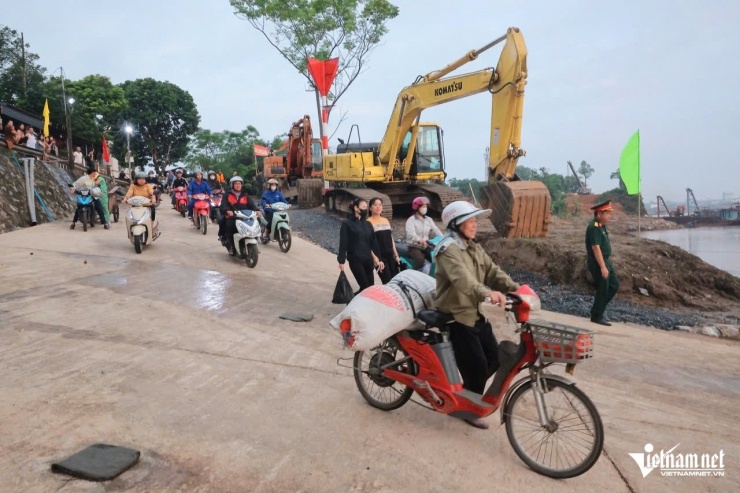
[506, 85]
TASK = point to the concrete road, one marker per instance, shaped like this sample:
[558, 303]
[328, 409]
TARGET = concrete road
[179, 352]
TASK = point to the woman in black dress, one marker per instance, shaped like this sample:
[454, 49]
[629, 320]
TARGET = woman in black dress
[357, 244]
[384, 237]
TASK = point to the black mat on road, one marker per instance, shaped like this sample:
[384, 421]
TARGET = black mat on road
[98, 462]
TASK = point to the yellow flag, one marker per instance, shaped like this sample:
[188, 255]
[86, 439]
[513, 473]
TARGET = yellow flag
[46, 117]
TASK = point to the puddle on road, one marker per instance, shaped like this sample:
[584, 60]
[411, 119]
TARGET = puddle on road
[194, 288]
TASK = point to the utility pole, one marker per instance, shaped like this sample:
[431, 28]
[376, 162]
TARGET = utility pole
[68, 120]
[23, 63]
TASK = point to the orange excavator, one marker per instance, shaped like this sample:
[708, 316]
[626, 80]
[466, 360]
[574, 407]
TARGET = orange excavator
[297, 165]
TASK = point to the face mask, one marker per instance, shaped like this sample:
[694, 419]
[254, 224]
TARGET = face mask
[273, 187]
[363, 213]
[423, 211]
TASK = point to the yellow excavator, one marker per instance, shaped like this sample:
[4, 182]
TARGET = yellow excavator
[409, 161]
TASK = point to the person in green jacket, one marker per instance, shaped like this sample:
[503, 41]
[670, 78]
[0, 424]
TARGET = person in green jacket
[465, 277]
[598, 251]
[103, 184]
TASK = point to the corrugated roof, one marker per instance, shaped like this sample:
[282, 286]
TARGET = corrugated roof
[10, 112]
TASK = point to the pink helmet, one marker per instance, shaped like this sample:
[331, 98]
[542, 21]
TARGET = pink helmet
[418, 202]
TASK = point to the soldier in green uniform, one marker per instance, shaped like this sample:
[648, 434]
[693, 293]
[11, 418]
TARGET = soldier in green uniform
[599, 249]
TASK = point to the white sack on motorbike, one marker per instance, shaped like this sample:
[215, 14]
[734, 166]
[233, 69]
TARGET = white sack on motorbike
[378, 312]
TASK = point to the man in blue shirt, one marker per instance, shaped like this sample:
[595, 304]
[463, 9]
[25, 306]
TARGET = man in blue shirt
[269, 197]
[198, 185]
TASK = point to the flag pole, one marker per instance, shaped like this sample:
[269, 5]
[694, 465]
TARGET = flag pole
[639, 185]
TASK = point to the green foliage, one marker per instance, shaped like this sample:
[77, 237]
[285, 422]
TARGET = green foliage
[629, 202]
[322, 29]
[12, 64]
[164, 117]
[585, 170]
[94, 95]
[558, 185]
[225, 151]
[617, 176]
[464, 185]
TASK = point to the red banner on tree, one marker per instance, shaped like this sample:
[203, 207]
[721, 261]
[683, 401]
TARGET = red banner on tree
[106, 152]
[261, 151]
[323, 73]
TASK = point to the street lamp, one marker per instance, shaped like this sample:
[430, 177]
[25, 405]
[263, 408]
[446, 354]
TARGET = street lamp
[68, 113]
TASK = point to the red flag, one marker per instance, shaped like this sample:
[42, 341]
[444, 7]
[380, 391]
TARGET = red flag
[323, 73]
[106, 152]
[261, 150]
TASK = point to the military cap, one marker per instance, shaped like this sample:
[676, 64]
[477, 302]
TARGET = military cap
[604, 206]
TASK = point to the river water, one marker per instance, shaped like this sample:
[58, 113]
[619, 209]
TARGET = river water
[717, 246]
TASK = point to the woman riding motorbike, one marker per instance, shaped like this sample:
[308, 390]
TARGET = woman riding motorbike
[140, 188]
[466, 276]
[419, 229]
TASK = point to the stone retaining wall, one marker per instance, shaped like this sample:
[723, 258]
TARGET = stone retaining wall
[50, 183]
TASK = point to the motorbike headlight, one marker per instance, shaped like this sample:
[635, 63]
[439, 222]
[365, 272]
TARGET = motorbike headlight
[130, 216]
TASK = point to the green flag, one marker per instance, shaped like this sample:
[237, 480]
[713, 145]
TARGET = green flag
[629, 165]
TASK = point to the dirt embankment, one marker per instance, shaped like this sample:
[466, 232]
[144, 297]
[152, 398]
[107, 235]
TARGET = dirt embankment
[651, 273]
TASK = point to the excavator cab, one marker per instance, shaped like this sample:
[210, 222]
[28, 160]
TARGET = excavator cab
[428, 152]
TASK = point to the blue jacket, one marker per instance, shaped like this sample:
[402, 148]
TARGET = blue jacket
[270, 197]
[203, 187]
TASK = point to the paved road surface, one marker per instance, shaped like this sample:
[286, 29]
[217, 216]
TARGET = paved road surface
[179, 352]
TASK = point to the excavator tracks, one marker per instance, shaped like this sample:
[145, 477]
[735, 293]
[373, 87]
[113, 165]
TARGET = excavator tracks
[440, 195]
[339, 199]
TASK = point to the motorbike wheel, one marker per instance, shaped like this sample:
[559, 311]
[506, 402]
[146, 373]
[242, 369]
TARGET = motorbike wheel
[138, 243]
[572, 441]
[182, 210]
[84, 219]
[116, 212]
[284, 240]
[252, 255]
[377, 389]
[203, 224]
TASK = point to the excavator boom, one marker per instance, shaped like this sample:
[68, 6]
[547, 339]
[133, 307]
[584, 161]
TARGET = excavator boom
[411, 152]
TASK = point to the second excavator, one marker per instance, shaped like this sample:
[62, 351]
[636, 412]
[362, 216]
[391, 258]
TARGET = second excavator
[409, 161]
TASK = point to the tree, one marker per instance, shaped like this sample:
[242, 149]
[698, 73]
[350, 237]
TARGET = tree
[95, 95]
[21, 77]
[321, 29]
[586, 171]
[225, 151]
[617, 176]
[164, 117]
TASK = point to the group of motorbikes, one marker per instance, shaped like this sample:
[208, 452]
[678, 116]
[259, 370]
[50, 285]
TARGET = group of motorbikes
[251, 228]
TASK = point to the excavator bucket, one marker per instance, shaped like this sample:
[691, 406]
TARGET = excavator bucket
[521, 209]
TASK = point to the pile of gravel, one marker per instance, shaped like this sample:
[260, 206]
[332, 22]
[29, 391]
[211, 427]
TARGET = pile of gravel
[562, 299]
[322, 229]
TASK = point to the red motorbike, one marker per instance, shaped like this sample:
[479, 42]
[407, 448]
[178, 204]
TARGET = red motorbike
[551, 424]
[201, 211]
[181, 200]
[216, 206]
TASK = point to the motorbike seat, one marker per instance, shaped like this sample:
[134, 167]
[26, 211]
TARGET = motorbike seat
[433, 318]
[402, 249]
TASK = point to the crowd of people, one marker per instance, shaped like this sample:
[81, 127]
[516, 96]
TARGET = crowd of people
[28, 137]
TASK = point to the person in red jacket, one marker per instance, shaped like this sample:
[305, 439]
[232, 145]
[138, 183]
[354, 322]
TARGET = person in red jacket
[236, 200]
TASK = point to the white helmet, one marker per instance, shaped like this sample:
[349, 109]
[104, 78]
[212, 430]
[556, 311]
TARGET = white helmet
[235, 179]
[459, 211]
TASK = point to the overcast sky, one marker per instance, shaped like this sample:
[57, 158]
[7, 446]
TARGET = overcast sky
[598, 71]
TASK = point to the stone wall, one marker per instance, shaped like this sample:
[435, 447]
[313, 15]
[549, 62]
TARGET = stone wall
[50, 183]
